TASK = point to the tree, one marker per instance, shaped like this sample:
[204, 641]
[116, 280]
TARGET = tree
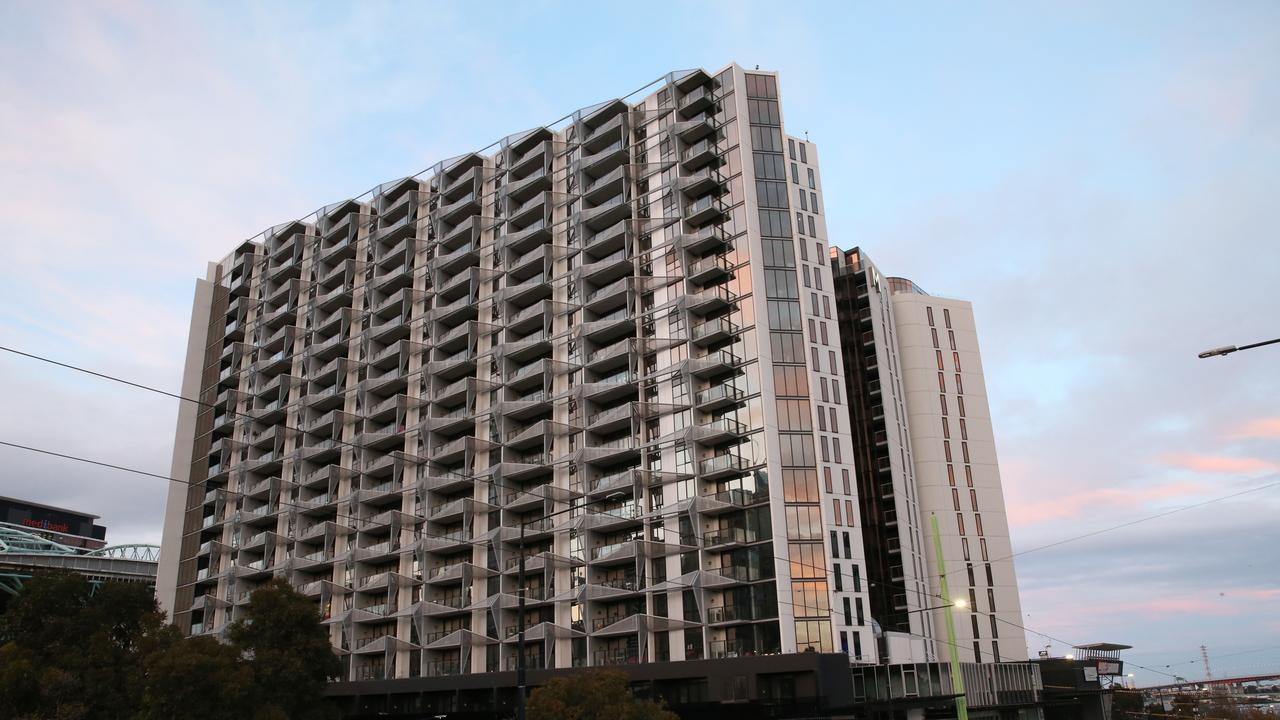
[592, 695]
[80, 647]
[289, 653]
[185, 673]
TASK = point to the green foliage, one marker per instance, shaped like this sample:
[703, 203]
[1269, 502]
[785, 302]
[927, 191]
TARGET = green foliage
[185, 674]
[68, 652]
[592, 695]
[289, 652]
[74, 653]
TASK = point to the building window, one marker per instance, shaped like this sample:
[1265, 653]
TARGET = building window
[955, 357]
[934, 333]
[928, 311]
[795, 173]
[942, 400]
[959, 385]
[849, 556]
[813, 183]
[848, 513]
[804, 204]
[813, 230]
[839, 578]
[960, 525]
[835, 548]
[946, 317]
[955, 499]
[848, 612]
[973, 502]
[844, 475]
[813, 202]
[804, 156]
[951, 337]
[791, 147]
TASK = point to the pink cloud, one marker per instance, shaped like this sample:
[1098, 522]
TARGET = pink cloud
[1218, 463]
[1263, 428]
[1026, 511]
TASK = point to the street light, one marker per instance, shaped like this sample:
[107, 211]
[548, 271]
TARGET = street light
[959, 603]
[1228, 349]
[520, 676]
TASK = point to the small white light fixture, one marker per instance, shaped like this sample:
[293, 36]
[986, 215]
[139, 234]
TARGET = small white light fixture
[961, 603]
[1069, 656]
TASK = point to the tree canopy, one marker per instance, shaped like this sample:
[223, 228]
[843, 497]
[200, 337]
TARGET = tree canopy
[592, 695]
[70, 651]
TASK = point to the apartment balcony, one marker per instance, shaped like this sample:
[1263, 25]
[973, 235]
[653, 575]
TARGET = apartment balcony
[330, 300]
[530, 159]
[451, 421]
[704, 240]
[708, 181]
[603, 300]
[383, 382]
[604, 135]
[524, 408]
[386, 330]
[605, 390]
[691, 131]
[612, 419]
[534, 208]
[527, 290]
[719, 432]
[455, 311]
[445, 573]
[531, 262]
[454, 261]
[452, 451]
[454, 212]
[728, 537]
[528, 319]
[392, 279]
[381, 437]
[466, 232]
[730, 501]
[608, 240]
[710, 301]
[606, 214]
[528, 500]
[441, 480]
[451, 511]
[453, 366]
[730, 614]
[336, 251]
[401, 252]
[450, 286]
[266, 463]
[604, 160]
[452, 392]
[704, 211]
[709, 269]
[696, 101]
[525, 376]
[524, 188]
[445, 542]
[384, 409]
[457, 339]
[325, 399]
[525, 348]
[286, 269]
[523, 238]
[613, 554]
[331, 347]
[713, 331]
[723, 466]
[608, 453]
[609, 356]
[609, 268]
[606, 186]
[700, 154]
[454, 183]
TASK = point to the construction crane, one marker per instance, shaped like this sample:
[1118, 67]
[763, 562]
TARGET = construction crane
[1204, 655]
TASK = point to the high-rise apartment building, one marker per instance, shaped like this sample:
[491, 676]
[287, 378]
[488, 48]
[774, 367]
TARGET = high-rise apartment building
[608, 346]
[925, 447]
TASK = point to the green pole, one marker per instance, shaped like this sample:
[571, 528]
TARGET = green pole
[957, 678]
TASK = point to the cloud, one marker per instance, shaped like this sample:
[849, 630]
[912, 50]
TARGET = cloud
[1026, 508]
[1221, 464]
[1262, 428]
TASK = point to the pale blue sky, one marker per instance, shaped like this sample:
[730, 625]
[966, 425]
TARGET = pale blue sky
[1100, 180]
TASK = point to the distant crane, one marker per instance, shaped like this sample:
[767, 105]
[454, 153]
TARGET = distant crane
[1204, 655]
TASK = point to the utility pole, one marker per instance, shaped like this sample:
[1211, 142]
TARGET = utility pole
[957, 677]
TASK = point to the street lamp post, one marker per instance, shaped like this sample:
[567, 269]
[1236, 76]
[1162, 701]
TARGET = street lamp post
[957, 678]
[520, 603]
[1228, 349]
